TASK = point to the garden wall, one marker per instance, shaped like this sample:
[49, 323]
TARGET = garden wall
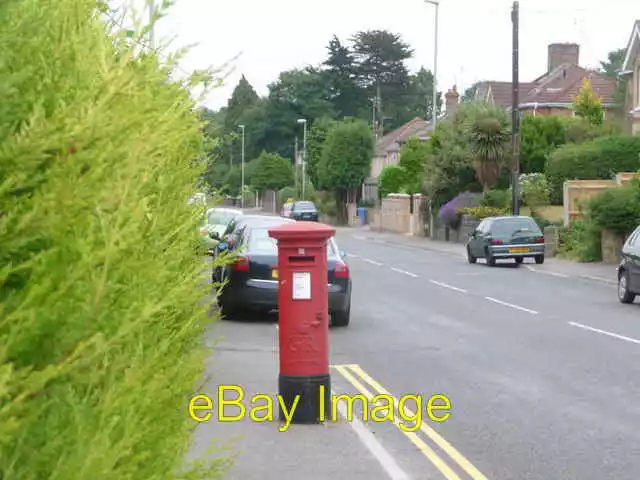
[393, 215]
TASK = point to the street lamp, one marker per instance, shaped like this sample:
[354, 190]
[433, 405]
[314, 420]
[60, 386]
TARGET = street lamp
[152, 11]
[241, 127]
[303, 121]
[434, 114]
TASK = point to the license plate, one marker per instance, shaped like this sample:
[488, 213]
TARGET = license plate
[518, 250]
[274, 274]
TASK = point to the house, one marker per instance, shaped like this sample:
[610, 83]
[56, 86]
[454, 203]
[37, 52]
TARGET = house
[631, 68]
[387, 150]
[553, 92]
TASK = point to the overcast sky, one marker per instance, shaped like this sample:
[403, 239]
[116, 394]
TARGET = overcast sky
[474, 35]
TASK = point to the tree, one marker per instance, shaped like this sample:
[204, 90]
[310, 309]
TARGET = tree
[380, 58]
[588, 105]
[242, 98]
[346, 160]
[488, 134]
[272, 172]
[412, 159]
[421, 95]
[301, 93]
[347, 97]
[612, 67]
[315, 145]
[392, 180]
[538, 137]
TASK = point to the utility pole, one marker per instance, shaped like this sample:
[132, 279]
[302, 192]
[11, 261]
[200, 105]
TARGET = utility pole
[242, 169]
[303, 121]
[434, 106]
[296, 164]
[152, 33]
[515, 114]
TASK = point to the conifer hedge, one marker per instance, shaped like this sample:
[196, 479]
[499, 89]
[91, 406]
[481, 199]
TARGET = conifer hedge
[101, 319]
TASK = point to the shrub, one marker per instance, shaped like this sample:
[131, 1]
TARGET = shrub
[496, 199]
[483, 212]
[286, 193]
[534, 189]
[601, 158]
[616, 210]
[101, 315]
[449, 212]
[392, 180]
[581, 241]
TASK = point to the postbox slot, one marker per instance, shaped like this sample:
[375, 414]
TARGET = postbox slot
[301, 260]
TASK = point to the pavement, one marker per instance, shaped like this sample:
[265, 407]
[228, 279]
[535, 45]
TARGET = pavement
[541, 368]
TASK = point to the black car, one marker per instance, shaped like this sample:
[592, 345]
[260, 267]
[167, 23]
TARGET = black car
[509, 237]
[252, 279]
[629, 269]
[304, 210]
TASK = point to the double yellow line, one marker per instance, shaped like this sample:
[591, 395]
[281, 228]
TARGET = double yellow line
[349, 372]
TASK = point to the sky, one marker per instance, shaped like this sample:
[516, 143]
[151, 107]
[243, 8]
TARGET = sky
[474, 36]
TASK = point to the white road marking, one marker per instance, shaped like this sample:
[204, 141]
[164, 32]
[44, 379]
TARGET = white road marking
[451, 287]
[604, 332]
[600, 279]
[385, 459]
[359, 237]
[511, 305]
[404, 272]
[553, 274]
[372, 262]
[353, 255]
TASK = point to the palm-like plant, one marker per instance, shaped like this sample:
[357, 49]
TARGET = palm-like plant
[488, 134]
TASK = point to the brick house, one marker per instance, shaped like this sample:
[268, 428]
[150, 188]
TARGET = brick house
[387, 149]
[553, 92]
[631, 68]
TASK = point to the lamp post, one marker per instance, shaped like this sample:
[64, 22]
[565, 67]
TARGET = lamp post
[242, 169]
[434, 108]
[152, 12]
[303, 121]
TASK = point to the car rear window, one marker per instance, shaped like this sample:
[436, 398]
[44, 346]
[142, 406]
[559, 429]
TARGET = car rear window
[261, 243]
[508, 226]
[305, 207]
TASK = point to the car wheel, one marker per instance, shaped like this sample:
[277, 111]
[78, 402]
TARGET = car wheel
[341, 318]
[470, 257]
[539, 259]
[491, 261]
[624, 295]
[519, 260]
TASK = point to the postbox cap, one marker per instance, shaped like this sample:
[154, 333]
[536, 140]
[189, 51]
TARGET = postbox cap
[302, 230]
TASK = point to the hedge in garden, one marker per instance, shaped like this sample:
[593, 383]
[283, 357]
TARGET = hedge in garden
[101, 321]
[601, 158]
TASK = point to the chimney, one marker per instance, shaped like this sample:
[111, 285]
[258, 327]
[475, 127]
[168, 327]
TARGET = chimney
[451, 101]
[559, 53]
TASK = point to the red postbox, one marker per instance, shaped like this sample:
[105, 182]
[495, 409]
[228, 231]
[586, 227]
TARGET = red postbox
[303, 315]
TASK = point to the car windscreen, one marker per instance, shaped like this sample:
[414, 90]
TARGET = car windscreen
[511, 226]
[305, 207]
[261, 243]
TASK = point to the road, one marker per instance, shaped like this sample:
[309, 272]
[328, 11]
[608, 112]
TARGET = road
[542, 371]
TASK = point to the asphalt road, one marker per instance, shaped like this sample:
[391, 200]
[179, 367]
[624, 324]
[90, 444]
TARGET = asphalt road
[543, 373]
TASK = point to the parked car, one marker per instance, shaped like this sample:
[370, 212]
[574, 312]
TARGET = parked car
[304, 210]
[216, 221]
[500, 238]
[252, 278]
[629, 269]
[285, 211]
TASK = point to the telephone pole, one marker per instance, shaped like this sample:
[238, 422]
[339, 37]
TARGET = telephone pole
[515, 115]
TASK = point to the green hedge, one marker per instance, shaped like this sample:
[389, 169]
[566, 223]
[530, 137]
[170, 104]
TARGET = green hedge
[601, 158]
[101, 318]
[616, 209]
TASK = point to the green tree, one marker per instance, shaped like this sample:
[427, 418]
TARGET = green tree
[347, 97]
[488, 134]
[538, 137]
[412, 159]
[243, 98]
[346, 160]
[296, 94]
[588, 104]
[421, 95]
[101, 295]
[272, 172]
[315, 144]
[612, 67]
[392, 180]
[380, 57]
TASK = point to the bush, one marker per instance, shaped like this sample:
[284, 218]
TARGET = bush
[581, 241]
[480, 213]
[392, 180]
[534, 189]
[449, 211]
[286, 193]
[496, 199]
[616, 210]
[101, 313]
[601, 158]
